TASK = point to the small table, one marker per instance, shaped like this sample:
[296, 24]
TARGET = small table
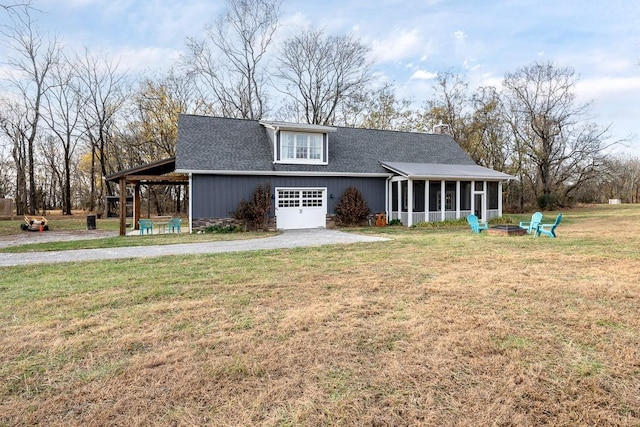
[161, 223]
[506, 230]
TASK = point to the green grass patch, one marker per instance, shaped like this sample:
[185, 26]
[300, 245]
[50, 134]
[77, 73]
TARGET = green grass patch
[423, 329]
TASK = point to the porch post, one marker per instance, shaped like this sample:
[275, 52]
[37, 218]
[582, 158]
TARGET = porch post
[426, 201]
[443, 198]
[389, 200]
[473, 197]
[458, 199]
[500, 198]
[409, 202]
[399, 200]
[485, 201]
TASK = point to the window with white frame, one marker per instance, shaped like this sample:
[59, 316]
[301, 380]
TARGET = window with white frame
[297, 147]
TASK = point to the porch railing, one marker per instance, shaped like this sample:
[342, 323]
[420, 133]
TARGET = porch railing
[435, 216]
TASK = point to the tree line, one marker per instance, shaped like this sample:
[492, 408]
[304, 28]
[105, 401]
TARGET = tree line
[68, 119]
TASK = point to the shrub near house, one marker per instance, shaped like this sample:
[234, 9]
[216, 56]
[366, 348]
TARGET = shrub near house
[352, 208]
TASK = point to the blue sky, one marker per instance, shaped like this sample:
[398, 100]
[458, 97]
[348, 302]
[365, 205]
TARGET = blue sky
[410, 41]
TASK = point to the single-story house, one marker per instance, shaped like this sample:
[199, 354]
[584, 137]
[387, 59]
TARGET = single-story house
[409, 176]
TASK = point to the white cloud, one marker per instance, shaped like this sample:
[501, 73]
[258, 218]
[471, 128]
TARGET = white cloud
[609, 88]
[423, 75]
[459, 36]
[144, 59]
[398, 45]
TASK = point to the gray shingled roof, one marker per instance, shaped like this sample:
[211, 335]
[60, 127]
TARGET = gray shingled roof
[222, 144]
[426, 170]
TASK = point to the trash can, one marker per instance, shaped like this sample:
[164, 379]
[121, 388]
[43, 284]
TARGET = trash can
[91, 222]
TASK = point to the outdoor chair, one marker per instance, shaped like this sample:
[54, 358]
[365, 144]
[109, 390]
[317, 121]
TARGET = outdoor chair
[476, 226]
[145, 225]
[531, 226]
[548, 229]
[174, 225]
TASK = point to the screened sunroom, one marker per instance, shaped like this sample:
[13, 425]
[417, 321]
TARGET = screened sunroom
[433, 192]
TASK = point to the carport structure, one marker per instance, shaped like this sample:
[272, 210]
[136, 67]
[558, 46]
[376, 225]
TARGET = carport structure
[161, 172]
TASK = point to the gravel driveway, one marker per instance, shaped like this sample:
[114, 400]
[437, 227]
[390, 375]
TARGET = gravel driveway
[287, 239]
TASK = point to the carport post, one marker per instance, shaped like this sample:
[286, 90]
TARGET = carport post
[123, 207]
[136, 206]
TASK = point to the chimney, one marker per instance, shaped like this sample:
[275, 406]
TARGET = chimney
[441, 129]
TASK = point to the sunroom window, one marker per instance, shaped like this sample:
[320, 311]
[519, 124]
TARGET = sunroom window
[301, 147]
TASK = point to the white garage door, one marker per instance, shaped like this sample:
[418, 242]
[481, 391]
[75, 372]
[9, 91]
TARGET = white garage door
[301, 208]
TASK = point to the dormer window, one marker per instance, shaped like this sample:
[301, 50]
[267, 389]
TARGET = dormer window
[304, 144]
[301, 147]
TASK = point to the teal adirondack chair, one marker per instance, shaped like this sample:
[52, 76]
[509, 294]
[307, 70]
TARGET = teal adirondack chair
[548, 229]
[145, 225]
[174, 225]
[476, 226]
[532, 225]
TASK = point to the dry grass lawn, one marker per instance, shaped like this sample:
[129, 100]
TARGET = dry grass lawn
[437, 327]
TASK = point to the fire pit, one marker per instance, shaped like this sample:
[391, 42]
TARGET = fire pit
[507, 230]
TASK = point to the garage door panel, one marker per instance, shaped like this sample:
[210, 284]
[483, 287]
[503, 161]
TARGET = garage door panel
[298, 208]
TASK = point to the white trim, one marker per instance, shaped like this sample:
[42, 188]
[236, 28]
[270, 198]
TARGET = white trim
[473, 199]
[499, 198]
[301, 162]
[485, 200]
[454, 177]
[457, 199]
[409, 203]
[395, 171]
[284, 173]
[387, 198]
[342, 174]
[399, 198]
[190, 203]
[426, 200]
[443, 199]
[297, 127]
[309, 138]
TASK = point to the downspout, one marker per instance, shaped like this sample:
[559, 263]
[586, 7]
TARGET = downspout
[387, 197]
[190, 203]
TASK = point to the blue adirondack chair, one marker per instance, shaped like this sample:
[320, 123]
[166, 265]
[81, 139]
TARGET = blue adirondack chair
[532, 225]
[476, 226]
[548, 229]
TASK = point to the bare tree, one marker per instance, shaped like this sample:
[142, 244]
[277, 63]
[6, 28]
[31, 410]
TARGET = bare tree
[321, 73]
[229, 63]
[13, 120]
[64, 106]
[487, 137]
[104, 90]
[8, 7]
[33, 60]
[382, 109]
[622, 179]
[156, 107]
[6, 169]
[550, 128]
[450, 106]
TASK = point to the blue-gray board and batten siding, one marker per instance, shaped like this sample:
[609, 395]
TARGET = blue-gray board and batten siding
[217, 196]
